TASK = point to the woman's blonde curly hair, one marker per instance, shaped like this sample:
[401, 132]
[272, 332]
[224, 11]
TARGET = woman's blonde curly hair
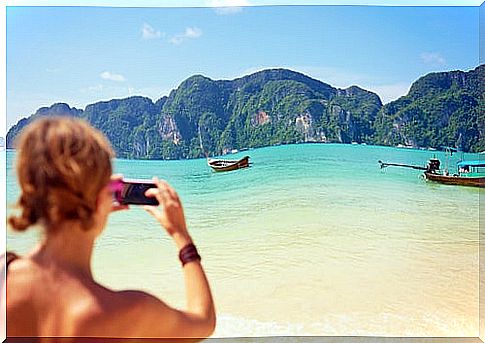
[62, 165]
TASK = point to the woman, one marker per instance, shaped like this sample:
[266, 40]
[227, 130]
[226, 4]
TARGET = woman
[64, 171]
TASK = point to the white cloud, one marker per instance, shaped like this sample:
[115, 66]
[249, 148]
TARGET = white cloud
[192, 32]
[189, 33]
[228, 7]
[148, 32]
[433, 58]
[106, 75]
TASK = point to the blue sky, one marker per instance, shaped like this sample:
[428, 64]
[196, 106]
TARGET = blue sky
[80, 55]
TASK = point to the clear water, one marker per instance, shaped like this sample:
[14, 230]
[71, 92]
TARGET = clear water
[311, 240]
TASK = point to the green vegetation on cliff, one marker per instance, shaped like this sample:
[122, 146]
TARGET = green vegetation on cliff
[441, 109]
[280, 106]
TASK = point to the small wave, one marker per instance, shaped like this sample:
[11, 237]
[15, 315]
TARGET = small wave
[232, 326]
[384, 324]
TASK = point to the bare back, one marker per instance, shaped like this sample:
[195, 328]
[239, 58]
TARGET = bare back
[45, 300]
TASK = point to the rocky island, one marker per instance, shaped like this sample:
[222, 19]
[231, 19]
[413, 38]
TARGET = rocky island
[280, 106]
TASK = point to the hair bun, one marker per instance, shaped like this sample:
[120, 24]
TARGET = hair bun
[62, 165]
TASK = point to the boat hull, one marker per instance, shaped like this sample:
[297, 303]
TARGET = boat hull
[456, 180]
[228, 165]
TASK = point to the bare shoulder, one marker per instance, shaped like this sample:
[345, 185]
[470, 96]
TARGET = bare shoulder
[20, 276]
[153, 318]
[143, 304]
[132, 313]
[133, 301]
[19, 307]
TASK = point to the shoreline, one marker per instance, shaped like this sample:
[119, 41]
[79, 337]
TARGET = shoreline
[244, 150]
[343, 325]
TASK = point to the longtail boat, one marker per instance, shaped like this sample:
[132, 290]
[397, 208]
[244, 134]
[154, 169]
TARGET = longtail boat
[469, 173]
[220, 165]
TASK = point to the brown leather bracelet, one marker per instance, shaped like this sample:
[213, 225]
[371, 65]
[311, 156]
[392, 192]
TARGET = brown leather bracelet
[188, 254]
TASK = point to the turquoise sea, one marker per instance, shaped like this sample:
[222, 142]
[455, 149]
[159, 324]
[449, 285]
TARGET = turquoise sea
[313, 239]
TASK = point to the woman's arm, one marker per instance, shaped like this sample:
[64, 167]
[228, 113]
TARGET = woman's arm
[199, 319]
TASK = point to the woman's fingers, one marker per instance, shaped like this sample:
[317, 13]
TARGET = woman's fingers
[156, 193]
[152, 210]
[164, 189]
[151, 192]
[163, 185]
[170, 214]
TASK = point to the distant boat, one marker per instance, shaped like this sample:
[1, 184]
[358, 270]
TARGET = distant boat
[221, 165]
[470, 173]
[404, 146]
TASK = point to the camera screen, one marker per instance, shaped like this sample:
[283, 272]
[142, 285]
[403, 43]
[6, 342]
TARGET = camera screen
[134, 193]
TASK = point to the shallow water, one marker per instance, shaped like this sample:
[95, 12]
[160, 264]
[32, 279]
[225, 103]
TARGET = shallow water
[313, 239]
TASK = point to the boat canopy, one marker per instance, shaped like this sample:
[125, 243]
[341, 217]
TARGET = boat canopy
[471, 164]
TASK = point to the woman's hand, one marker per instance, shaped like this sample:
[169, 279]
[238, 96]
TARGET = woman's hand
[116, 206]
[171, 214]
[199, 319]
